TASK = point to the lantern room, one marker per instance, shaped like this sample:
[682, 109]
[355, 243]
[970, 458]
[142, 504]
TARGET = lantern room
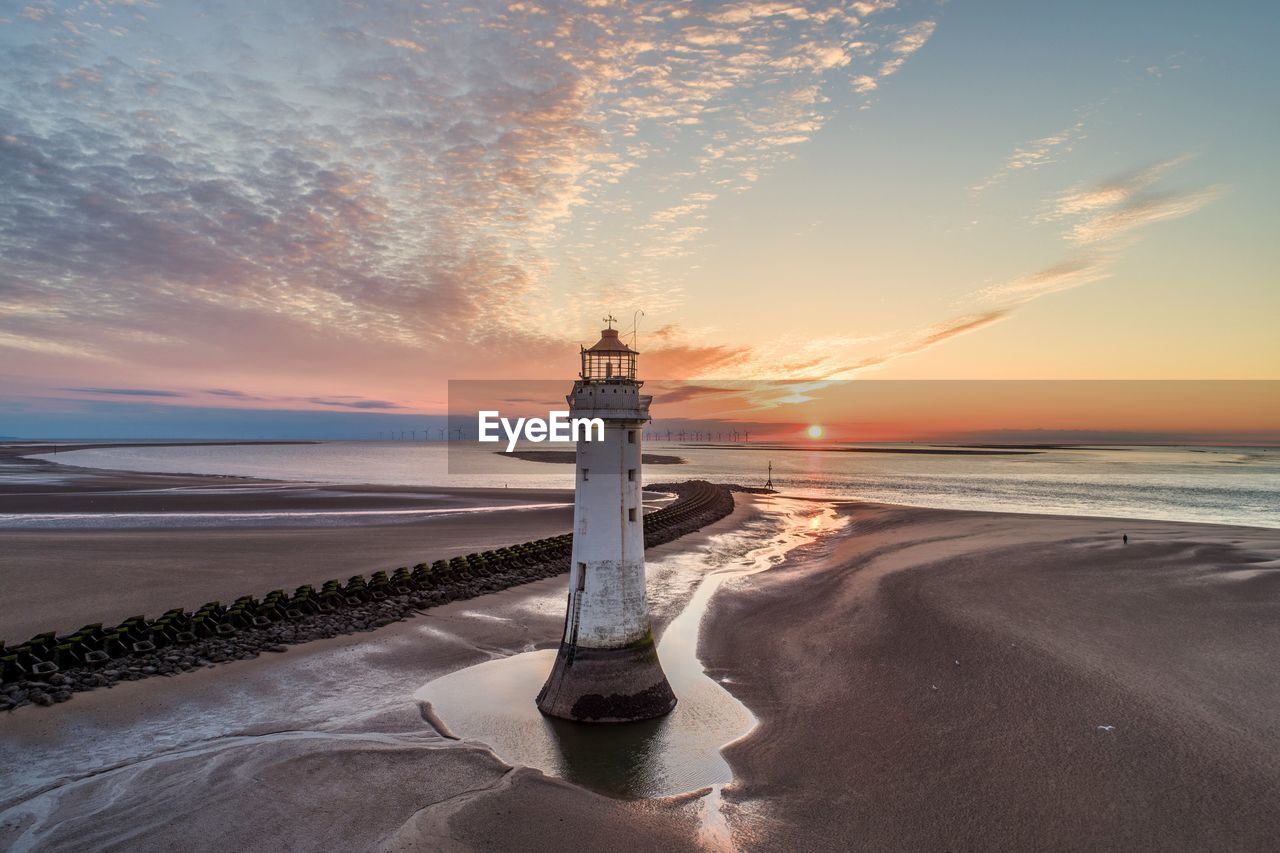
[609, 359]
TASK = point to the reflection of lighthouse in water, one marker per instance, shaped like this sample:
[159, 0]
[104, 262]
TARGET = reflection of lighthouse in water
[607, 669]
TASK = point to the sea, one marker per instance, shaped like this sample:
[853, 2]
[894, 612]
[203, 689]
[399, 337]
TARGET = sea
[1220, 485]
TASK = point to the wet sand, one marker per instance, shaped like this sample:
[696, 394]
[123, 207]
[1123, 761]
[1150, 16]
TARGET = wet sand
[969, 681]
[229, 758]
[61, 578]
[923, 680]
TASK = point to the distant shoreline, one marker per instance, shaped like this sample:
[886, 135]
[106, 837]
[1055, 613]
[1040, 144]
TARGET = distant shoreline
[922, 451]
[568, 457]
[20, 447]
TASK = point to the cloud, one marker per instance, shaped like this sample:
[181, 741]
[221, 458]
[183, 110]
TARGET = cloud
[926, 338]
[1109, 210]
[15, 340]
[407, 44]
[684, 360]
[550, 401]
[1095, 219]
[1110, 194]
[681, 392]
[940, 332]
[865, 83]
[1064, 275]
[282, 193]
[906, 41]
[197, 398]
[1037, 153]
[126, 392]
[354, 403]
[1139, 213]
[909, 40]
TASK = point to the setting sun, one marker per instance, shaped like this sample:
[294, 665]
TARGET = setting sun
[814, 431]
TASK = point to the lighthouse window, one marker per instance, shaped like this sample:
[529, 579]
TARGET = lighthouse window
[582, 576]
[631, 474]
[631, 436]
[631, 514]
[584, 473]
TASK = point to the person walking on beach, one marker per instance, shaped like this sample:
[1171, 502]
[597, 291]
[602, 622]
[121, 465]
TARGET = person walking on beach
[1126, 539]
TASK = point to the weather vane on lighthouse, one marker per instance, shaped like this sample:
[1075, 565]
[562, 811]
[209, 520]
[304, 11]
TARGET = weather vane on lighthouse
[607, 668]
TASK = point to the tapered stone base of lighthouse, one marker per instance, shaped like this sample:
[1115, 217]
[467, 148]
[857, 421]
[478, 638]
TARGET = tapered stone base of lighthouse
[607, 668]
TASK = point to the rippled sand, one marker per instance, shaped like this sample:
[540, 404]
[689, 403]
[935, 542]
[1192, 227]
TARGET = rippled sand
[323, 747]
[921, 679]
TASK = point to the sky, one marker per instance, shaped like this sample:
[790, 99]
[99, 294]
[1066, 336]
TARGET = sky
[246, 219]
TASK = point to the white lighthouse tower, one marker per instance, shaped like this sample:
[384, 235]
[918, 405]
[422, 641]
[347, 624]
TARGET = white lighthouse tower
[607, 669]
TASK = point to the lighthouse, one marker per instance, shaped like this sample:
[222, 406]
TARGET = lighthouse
[607, 667]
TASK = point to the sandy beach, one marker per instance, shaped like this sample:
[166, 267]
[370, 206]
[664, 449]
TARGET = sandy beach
[330, 731]
[923, 679]
[974, 681]
[61, 578]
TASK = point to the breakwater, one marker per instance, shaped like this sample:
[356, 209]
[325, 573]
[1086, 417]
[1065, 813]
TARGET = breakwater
[50, 668]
